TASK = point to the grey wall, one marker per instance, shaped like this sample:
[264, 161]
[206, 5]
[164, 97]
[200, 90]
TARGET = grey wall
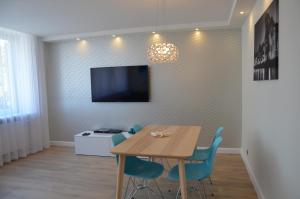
[271, 109]
[203, 87]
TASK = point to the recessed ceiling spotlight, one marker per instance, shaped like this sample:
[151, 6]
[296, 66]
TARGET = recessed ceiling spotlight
[78, 39]
[196, 29]
[242, 12]
[153, 32]
[113, 35]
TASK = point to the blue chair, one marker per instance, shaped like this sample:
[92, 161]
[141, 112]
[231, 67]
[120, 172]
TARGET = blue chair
[198, 171]
[140, 169]
[136, 128]
[202, 154]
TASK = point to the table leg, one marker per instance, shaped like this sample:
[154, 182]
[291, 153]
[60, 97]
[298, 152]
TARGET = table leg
[120, 176]
[182, 179]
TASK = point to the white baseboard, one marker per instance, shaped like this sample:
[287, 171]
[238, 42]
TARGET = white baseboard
[62, 143]
[225, 150]
[229, 150]
[253, 179]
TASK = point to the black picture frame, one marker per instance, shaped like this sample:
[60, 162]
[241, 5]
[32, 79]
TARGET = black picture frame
[266, 44]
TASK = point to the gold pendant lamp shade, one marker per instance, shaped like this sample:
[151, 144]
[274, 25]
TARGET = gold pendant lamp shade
[162, 52]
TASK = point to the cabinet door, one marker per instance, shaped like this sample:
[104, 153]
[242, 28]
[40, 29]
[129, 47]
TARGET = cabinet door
[100, 146]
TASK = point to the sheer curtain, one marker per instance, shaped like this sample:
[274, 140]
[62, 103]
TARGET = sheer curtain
[23, 105]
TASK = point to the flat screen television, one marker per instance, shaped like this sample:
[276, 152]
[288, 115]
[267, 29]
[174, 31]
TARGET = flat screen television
[120, 84]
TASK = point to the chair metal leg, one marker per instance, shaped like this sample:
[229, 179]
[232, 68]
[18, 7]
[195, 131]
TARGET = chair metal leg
[210, 185]
[210, 180]
[132, 195]
[134, 189]
[199, 189]
[139, 186]
[178, 193]
[125, 194]
[145, 185]
[204, 192]
[159, 190]
[147, 191]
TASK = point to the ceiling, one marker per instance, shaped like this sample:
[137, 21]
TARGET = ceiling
[54, 19]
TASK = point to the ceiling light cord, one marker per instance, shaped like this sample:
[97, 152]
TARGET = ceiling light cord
[162, 52]
[156, 16]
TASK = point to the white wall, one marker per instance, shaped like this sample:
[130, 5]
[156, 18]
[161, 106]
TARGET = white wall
[203, 87]
[271, 109]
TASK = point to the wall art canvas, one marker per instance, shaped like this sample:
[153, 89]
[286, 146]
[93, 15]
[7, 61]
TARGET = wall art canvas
[266, 44]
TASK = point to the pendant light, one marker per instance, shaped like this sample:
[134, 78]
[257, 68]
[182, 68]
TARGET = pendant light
[162, 52]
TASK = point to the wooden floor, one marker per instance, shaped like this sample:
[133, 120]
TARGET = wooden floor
[57, 173]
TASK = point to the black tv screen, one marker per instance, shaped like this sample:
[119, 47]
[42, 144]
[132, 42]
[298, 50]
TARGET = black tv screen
[120, 84]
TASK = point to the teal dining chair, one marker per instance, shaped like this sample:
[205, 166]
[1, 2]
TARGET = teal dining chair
[135, 129]
[198, 171]
[136, 168]
[202, 154]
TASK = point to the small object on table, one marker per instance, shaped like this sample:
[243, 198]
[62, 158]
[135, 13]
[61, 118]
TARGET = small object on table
[159, 134]
[86, 134]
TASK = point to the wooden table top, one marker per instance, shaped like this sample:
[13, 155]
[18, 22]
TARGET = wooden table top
[180, 143]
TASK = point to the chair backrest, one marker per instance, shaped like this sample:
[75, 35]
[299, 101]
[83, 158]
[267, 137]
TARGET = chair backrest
[118, 139]
[136, 128]
[219, 131]
[213, 151]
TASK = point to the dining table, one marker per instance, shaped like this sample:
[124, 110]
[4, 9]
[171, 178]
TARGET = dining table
[175, 142]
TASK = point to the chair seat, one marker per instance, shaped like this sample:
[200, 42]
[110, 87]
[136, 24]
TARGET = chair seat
[143, 169]
[193, 171]
[199, 155]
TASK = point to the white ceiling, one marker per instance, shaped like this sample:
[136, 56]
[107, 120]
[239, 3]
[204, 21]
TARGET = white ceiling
[58, 18]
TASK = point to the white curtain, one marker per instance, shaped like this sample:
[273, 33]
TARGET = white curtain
[23, 105]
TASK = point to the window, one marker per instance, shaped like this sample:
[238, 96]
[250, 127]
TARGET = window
[5, 98]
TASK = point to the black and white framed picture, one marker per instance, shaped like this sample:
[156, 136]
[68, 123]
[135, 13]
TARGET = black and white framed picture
[266, 44]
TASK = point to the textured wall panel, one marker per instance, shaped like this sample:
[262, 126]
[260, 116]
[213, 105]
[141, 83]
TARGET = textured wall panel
[202, 87]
